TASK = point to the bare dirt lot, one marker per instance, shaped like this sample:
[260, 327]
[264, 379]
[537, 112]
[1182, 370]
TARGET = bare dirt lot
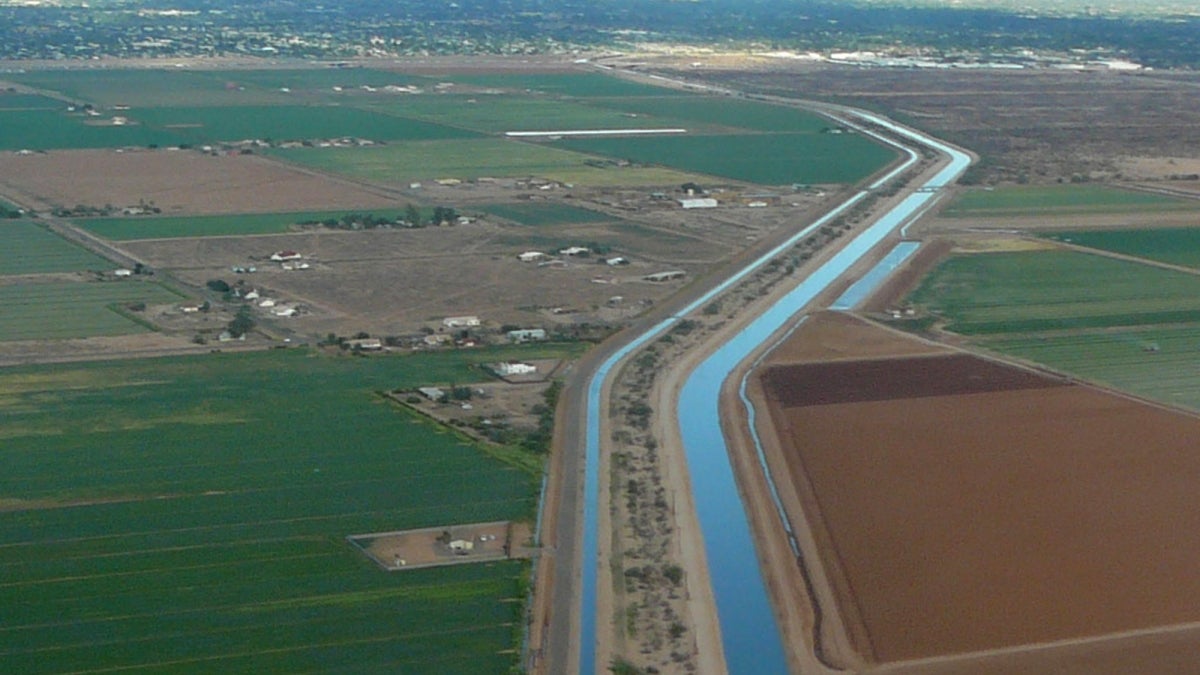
[178, 182]
[454, 545]
[972, 517]
[395, 281]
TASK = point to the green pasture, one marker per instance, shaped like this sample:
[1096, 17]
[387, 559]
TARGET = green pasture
[158, 227]
[58, 130]
[498, 113]
[1158, 362]
[189, 515]
[578, 84]
[282, 123]
[14, 101]
[139, 87]
[29, 248]
[1008, 293]
[729, 112]
[1176, 246]
[1027, 201]
[768, 159]
[540, 214]
[467, 159]
[55, 310]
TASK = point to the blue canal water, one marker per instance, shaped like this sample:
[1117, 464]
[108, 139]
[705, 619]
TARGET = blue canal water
[750, 635]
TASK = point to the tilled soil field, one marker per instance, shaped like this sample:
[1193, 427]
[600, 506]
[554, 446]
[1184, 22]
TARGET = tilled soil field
[969, 512]
[177, 182]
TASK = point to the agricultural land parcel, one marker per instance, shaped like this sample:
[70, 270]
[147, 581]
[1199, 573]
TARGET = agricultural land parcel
[247, 108]
[1171, 245]
[189, 515]
[39, 304]
[1129, 325]
[1050, 511]
[468, 159]
[1054, 200]
[72, 309]
[154, 227]
[176, 182]
[29, 248]
[542, 214]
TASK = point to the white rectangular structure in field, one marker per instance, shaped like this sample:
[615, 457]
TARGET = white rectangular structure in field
[593, 132]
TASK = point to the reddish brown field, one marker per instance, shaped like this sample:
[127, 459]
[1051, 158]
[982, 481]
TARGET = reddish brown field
[961, 505]
[183, 182]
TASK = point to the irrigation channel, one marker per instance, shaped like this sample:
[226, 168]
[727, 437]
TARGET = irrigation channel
[750, 635]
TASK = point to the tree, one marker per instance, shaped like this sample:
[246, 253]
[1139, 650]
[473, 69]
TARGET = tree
[217, 285]
[412, 215]
[444, 214]
[242, 323]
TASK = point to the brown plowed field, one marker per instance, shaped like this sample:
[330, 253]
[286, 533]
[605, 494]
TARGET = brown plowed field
[178, 182]
[965, 511]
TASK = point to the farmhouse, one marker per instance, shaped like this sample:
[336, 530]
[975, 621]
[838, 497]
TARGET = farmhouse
[574, 250]
[526, 335]
[281, 256]
[613, 262]
[462, 546]
[460, 321]
[530, 256]
[432, 393]
[191, 307]
[507, 368]
[122, 272]
[659, 277]
[698, 203]
[367, 344]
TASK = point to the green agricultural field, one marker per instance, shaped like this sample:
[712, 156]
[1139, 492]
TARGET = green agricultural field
[1158, 362]
[579, 84]
[189, 515]
[57, 130]
[997, 293]
[290, 123]
[30, 248]
[55, 310]
[1021, 201]
[148, 87]
[160, 227]
[1177, 246]
[539, 214]
[498, 113]
[768, 159]
[722, 111]
[14, 101]
[405, 161]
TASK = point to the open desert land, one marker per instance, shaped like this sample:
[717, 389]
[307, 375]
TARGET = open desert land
[1035, 125]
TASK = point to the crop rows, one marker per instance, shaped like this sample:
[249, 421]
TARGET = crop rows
[1174, 245]
[32, 311]
[189, 516]
[1020, 201]
[29, 248]
[1055, 290]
